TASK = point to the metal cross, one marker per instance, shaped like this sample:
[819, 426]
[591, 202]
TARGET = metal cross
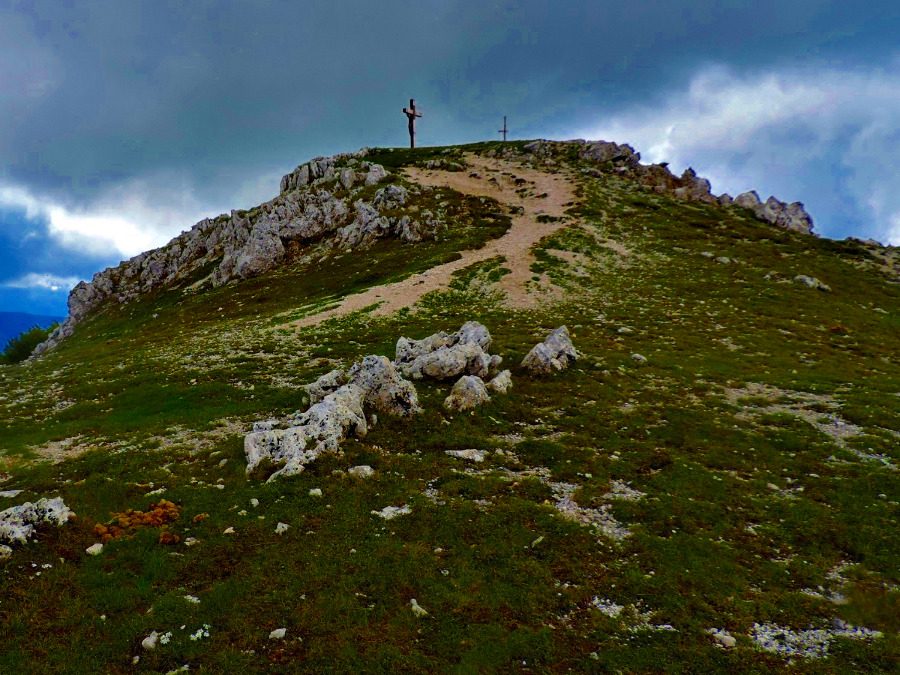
[504, 129]
[411, 114]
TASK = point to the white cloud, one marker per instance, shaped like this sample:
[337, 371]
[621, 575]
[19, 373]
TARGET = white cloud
[49, 282]
[828, 137]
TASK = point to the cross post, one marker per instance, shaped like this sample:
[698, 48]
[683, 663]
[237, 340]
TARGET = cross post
[411, 114]
[504, 129]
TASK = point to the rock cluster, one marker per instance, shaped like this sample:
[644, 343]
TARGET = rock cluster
[18, 523]
[443, 356]
[338, 413]
[555, 353]
[623, 160]
[344, 403]
[319, 200]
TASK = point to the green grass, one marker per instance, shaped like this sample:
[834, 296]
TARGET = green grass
[508, 583]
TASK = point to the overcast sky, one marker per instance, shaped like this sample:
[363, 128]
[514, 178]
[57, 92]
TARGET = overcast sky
[122, 123]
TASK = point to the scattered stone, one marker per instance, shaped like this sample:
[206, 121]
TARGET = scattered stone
[811, 282]
[417, 609]
[607, 607]
[9, 494]
[281, 528]
[5, 552]
[278, 634]
[192, 599]
[361, 471]
[555, 353]
[228, 530]
[639, 359]
[501, 384]
[471, 454]
[254, 502]
[149, 643]
[468, 393]
[723, 637]
[18, 523]
[622, 491]
[94, 549]
[315, 492]
[812, 643]
[391, 512]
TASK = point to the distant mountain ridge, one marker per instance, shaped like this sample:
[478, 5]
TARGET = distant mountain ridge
[14, 323]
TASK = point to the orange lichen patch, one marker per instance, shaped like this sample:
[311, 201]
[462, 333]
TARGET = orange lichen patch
[129, 521]
[200, 517]
[168, 539]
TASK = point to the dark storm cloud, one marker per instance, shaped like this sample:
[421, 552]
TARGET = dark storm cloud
[123, 88]
[124, 122]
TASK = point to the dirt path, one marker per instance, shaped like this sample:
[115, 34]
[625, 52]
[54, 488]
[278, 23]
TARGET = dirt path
[497, 179]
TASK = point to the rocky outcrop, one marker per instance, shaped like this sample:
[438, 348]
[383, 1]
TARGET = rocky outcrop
[788, 216]
[468, 393]
[608, 157]
[338, 411]
[555, 353]
[319, 200]
[18, 523]
[444, 356]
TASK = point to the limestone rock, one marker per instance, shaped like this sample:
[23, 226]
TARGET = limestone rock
[18, 523]
[326, 384]
[337, 412]
[361, 471]
[811, 282]
[555, 353]
[5, 552]
[385, 390]
[444, 356]
[788, 216]
[468, 393]
[94, 549]
[501, 384]
[319, 429]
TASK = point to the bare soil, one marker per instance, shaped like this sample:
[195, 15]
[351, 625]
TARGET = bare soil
[540, 194]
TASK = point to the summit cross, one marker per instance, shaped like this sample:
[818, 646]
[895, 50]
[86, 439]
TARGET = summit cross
[504, 129]
[411, 114]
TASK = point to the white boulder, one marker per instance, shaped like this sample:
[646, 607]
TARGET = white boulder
[555, 353]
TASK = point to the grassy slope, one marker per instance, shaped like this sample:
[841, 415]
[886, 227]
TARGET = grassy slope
[340, 579]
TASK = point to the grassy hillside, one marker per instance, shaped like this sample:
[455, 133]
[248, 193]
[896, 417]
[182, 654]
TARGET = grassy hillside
[750, 464]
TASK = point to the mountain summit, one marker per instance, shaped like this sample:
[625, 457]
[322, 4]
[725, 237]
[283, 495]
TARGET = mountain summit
[526, 406]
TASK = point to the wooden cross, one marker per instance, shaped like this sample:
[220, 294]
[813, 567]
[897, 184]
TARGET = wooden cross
[412, 115]
[504, 129]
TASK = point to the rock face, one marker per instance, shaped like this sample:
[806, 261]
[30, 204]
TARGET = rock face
[788, 216]
[444, 356]
[18, 523]
[468, 393]
[319, 201]
[623, 160]
[338, 411]
[555, 353]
